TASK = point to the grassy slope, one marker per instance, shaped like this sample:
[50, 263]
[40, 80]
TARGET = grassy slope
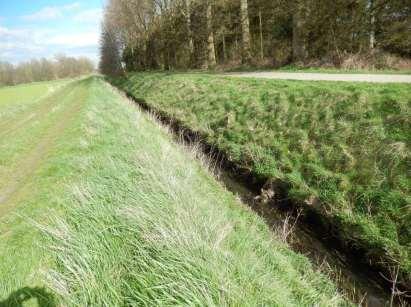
[144, 222]
[346, 144]
[33, 158]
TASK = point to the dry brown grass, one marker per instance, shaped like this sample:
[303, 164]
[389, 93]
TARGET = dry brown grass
[374, 61]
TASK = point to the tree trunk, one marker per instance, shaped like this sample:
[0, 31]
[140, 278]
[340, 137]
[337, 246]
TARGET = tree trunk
[224, 49]
[190, 32]
[299, 48]
[261, 35]
[211, 58]
[133, 65]
[151, 54]
[372, 25]
[166, 59]
[372, 33]
[245, 29]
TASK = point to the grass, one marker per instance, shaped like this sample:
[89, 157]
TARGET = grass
[342, 148]
[116, 213]
[33, 158]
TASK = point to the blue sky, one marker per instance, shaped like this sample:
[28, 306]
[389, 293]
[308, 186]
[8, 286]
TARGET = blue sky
[44, 28]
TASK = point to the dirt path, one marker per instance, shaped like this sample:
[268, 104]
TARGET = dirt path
[32, 112]
[32, 160]
[374, 78]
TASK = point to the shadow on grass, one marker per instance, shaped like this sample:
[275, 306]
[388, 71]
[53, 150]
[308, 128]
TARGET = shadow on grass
[17, 298]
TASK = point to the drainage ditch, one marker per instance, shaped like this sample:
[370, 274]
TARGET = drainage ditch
[364, 282]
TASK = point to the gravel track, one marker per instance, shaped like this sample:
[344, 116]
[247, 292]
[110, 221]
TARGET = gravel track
[374, 78]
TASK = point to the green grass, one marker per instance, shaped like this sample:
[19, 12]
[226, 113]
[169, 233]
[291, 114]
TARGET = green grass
[33, 163]
[345, 144]
[116, 213]
[27, 93]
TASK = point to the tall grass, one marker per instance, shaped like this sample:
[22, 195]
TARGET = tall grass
[37, 132]
[147, 224]
[344, 148]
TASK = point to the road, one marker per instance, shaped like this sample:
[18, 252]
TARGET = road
[374, 78]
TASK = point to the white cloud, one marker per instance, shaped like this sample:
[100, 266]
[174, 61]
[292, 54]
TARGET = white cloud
[7, 34]
[20, 44]
[90, 16]
[78, 35]
[46, 13]
[71, 6]
[83, 39]
[51, 12]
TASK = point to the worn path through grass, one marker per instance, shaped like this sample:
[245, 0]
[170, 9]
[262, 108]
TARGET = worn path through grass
[19, 104]
[48, 117]
[107, 210]
[29, 169]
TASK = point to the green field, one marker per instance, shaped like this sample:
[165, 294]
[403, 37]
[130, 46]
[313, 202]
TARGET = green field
[99, 207]
[342, 148]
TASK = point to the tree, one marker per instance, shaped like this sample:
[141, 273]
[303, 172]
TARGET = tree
[245, 27]
[110, 59]
[44, 69]
[184, 34]
[211, 59]
[299, 47]
[6, 73]
[372, 24]
[189, 30]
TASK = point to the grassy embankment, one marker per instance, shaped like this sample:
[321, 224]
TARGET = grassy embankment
[37, 125]
[130, 217]
[342, 148]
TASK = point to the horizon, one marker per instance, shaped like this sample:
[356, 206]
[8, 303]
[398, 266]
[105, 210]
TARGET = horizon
[45, 28]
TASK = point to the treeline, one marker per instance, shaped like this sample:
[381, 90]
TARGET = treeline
[44, 69]
[181, 34]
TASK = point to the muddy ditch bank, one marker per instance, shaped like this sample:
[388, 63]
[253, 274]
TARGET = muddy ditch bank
[364, 274]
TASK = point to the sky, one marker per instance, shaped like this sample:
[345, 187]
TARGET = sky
[43, 28]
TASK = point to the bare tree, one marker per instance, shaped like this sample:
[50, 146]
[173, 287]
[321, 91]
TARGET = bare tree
[372, 24]
[44, 69]
[211, 58]
[189, 30]
[183, 34]
[110, 59]
[299, 48]
[245, 27]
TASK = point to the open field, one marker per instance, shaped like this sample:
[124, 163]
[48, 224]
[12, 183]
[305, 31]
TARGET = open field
[341, 148]
[100, 207]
